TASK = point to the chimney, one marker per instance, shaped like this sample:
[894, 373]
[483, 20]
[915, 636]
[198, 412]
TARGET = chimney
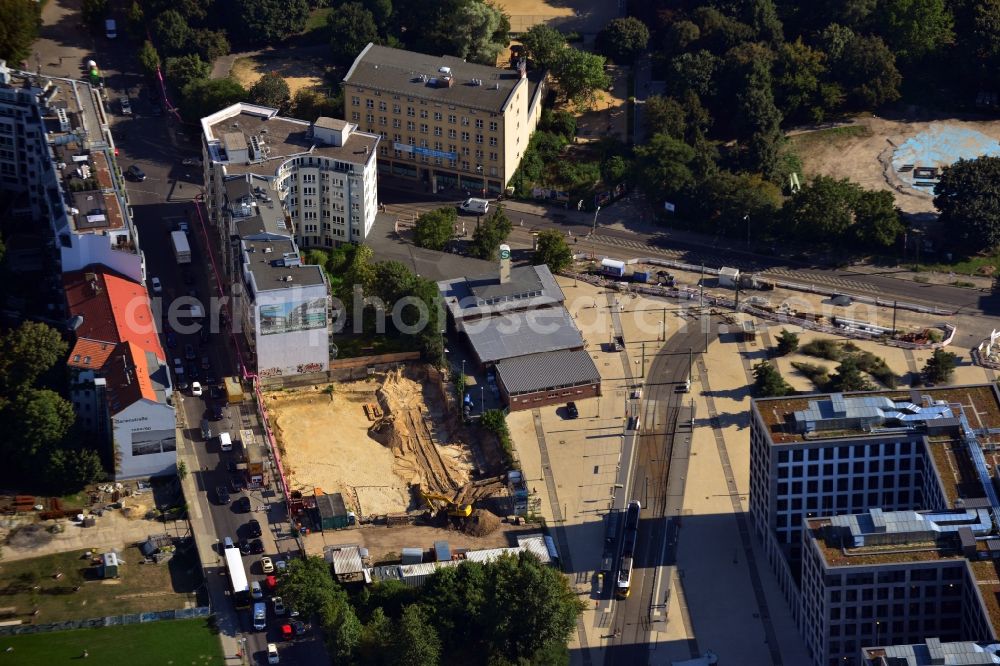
[504, 264]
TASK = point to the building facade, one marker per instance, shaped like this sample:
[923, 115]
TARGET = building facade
[57, 160]
[444, 122]
[321, 174]
[878, 513]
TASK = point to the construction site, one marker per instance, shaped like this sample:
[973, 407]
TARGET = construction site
[388, 445]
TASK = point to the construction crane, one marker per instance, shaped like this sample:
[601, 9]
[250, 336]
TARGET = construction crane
[453, 508]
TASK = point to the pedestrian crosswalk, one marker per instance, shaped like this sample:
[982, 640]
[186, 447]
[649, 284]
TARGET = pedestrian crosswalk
[790, 275]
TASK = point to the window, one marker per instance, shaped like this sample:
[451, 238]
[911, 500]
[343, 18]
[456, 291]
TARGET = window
[465, 121]
[437, 116]
[382, 120]
[493, 141]
[465, 136]
[370, 103]
[396, 123]
[355, 101]
[410, 125]
[423, 113]
[370, 117]
[493, 157]
[437, 131]
[423, 128]
[452, 134]
[493, 126]
[355, 116]
[410, 111]
[451, 118]
[479, 123]
[395, 108]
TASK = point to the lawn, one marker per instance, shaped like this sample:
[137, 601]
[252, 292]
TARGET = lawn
[185, 642]
[805, 140]
[79, 593]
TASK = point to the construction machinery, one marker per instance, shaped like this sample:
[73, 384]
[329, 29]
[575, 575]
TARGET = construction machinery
[453, 508]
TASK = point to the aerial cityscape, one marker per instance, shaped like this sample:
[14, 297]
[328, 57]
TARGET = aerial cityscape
[500, 332]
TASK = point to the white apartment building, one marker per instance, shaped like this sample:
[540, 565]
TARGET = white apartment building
[57, 158]
[446, 122]
[323, 172]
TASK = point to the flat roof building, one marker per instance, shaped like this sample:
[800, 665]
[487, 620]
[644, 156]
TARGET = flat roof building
[445, 122]
[321, 174]
[547, 379]
[878, 513]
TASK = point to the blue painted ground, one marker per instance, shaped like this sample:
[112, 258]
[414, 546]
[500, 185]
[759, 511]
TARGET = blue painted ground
[942, 144]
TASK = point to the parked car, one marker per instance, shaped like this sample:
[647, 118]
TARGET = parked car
[253, 527]
[272, 653]
[135, 173]
[154, 283]
[267, 565]
[235, 483]
[216, 412]
[256, 546]
[126, 106]
[270, 582]
[279, 606]
[206, 430]
[255, 591]
[280, 566]
[222, 494]
[242, 505]
[286, 632]
[196, 389]
[571, 410]
[299, 627]
[244, 547]
[191, 161]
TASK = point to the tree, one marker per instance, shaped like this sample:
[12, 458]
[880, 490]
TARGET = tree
[360, 271]
[693, 72]
[392, 281]
[727, 200]
[868, 71]
[552, 251]
[37, 419]
[915, 28]
[416, 641]
[351, 28]
[580, 75]
[484, 34]
[623, 39]
[309, 105]
[381, 10]
[877, 221]
[308, 585]
[788, 342]
[968, 196]
[172, 32]
[434, 229]
[492, 231]
[185, 69]
[614, 169]
[341, 628]
[940, 366]
[268, 21]
[662, 166]
[18, 30]
[149, 58]
[562, 123]
[768, 382]
[431, 338]
[270, 90]
[93, 12]
[377, 637]
[822, 210]
[68, 471]
[26, 353]
[799, 89]
[205, 97]
[136, 19]
[543, 45]
[664, 115]
[848, 377]
[209, 44]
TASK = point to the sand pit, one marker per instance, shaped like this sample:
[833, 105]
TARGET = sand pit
[329, 442]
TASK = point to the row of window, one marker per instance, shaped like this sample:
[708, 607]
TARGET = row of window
[411, 112]
[886, 500]
[840, 452]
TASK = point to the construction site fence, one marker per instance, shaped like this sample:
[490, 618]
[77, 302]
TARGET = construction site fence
[347, 369]
[687, 293]
[784, 284]
[107, 621]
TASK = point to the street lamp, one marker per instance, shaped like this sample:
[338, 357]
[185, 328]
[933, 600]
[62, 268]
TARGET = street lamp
[746, 218]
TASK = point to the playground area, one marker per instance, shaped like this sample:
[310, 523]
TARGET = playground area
[370, 440]
[902, 156]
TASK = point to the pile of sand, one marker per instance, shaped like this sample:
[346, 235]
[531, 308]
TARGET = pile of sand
[481, 523]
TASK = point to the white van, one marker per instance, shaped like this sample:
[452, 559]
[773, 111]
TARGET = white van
[475, 206]
[111, 28]
[260, 616]
[225, 441]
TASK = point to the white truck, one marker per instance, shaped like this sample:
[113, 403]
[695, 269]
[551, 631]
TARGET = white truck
[182, 249]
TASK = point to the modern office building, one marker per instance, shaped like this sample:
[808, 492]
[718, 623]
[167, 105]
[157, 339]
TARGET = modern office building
[119, 383]
[322, 172]
[445, 122]
[58, 163]
[933, 652]
[878, 513]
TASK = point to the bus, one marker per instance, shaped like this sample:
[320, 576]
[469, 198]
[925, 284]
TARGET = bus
[237, 578]
[624, 583]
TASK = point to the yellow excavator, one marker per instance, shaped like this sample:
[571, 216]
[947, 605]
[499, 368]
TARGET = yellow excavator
[455, 510]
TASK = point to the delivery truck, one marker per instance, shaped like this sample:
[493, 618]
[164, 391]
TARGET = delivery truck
[182, 249]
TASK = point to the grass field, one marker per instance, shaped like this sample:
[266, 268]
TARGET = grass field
[187, 642]
[829, 136]
[29, 584]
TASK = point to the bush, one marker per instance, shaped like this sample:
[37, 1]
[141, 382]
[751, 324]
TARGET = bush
[788, 342]
[817, 374]
[495, 422]
[824, 348]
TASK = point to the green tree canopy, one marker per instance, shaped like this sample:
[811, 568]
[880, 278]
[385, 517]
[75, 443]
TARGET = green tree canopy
[94, 12]
[267, 21]
[172, 32]
[915, 28]
[435, 228]
[848, 377]
[768, 382]
[552, 251]
[392, 281]
[788, 342]
[799, 87]
[484, 34]
[968, 196]
[878, 223]
[148, 57]
[204, 97]
[416, 640]
[310, 105]
[18, 30]
[351, 27]
[492, 232]
[823, 209]
[69, 470]
[940, 366]
[623, 39]
[662, 166]
[270, 90]
[868, 71]
[309, 586]
[183, 70]
[543, 45]
[26, 353]
[37, 419]
[209, 44]
[664, 115]
[580, 76]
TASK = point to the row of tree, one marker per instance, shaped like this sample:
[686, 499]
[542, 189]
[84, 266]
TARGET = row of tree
[510, 611]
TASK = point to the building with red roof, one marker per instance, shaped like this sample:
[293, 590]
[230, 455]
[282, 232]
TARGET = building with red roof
[120, 381]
